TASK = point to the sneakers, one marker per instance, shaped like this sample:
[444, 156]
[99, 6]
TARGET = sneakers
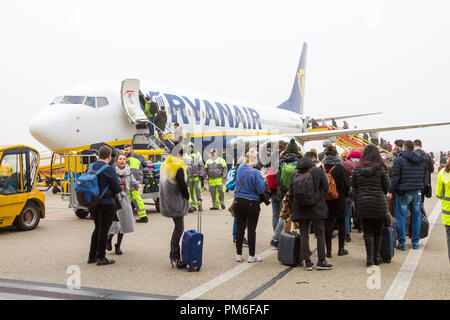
[273, 243]
[254, 259]
[401, 246]
[238, 258]
[309, 266]
[415, 246]
[104, 261]
[222, 206]
[342, 252]
[323, 265]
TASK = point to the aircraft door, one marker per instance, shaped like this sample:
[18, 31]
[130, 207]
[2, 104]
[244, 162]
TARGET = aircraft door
[131, 103]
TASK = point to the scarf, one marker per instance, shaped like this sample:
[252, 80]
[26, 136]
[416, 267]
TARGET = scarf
[125, 172]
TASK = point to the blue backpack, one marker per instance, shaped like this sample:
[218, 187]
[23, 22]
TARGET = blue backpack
[231, 179]
[88, 193]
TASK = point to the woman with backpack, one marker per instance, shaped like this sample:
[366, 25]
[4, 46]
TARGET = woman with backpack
[336, 198]
[123, 221]
[371, 182]
[250, 185]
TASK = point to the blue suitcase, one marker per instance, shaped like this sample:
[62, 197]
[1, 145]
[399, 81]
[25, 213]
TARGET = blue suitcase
[388, 242]
[192, 247]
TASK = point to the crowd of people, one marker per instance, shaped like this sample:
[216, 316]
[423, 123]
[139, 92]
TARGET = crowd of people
[314, 192]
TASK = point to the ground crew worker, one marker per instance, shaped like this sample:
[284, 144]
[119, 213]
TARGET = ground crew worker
[135, 198]
[195, 170]
[216, 170]
[443, 193]
[150, 113]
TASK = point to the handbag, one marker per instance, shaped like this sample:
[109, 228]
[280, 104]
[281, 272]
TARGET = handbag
[231, 208]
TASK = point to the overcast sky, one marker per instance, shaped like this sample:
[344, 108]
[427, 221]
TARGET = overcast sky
[363, 56]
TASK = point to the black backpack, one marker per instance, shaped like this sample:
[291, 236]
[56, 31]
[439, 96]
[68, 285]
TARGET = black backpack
[154, 107]
[303, 187]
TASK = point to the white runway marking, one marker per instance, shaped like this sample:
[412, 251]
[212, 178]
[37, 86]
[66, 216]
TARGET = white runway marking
[199, 291]
[400, 285]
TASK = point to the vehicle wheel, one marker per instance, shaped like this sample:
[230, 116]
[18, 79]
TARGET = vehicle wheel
[29, 217]
[157, 205]
[81, 213]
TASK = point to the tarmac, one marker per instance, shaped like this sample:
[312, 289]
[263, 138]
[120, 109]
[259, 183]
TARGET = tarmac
[50, 262]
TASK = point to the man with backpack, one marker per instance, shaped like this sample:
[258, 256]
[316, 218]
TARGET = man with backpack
[336, 198]
[150, 110]
[103, 213]
[307, 188]
[426, 192]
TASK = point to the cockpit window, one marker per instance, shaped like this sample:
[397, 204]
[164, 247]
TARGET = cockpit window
[90, 101]
[73, 100]
[101, 102]
[57, 100]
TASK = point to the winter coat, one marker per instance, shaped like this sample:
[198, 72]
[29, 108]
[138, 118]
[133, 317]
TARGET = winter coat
[252, 186]
[161, 120]
[371, 184]
[409, 173]
[173, 192]
[320, 209]
[349, 166]
[338, 208]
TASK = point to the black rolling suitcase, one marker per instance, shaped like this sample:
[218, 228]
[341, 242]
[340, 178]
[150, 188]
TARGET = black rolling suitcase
[388, 242]
[289, 249]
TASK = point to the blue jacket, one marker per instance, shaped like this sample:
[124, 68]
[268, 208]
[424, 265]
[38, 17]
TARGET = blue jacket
[107, 177]
[253, 185]
[409, 172]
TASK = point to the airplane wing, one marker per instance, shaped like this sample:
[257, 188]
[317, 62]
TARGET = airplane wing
[317, 135]
[345, 117]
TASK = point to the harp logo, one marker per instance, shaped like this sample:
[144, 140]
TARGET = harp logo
[301, 80]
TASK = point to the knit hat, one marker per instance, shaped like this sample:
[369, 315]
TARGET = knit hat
[326, 143]
[291, 147]
[354, 154]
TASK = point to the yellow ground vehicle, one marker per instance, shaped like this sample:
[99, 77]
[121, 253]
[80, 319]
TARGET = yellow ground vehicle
[20, 203]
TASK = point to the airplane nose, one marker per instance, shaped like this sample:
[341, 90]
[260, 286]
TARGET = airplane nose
[51, 127]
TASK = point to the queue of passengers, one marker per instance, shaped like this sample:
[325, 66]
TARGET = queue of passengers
[330, 185]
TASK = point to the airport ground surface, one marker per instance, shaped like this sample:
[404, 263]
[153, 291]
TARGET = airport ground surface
[34, 264]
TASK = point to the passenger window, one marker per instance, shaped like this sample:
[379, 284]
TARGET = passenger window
[101, 102]
[10, 174]
[90, 101]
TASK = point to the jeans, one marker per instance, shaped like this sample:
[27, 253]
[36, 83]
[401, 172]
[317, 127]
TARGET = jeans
[276, 209]
[246, 211]
[176, 236]
[411, 200]
[278, 230]
[103, 216]
[348, 225]
[319, 228]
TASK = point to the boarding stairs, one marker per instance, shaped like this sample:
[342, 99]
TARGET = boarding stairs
[349, 142]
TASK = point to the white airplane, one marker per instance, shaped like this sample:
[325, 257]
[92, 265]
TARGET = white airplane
[100, 112]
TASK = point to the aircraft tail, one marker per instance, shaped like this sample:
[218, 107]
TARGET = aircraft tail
[295, 101]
